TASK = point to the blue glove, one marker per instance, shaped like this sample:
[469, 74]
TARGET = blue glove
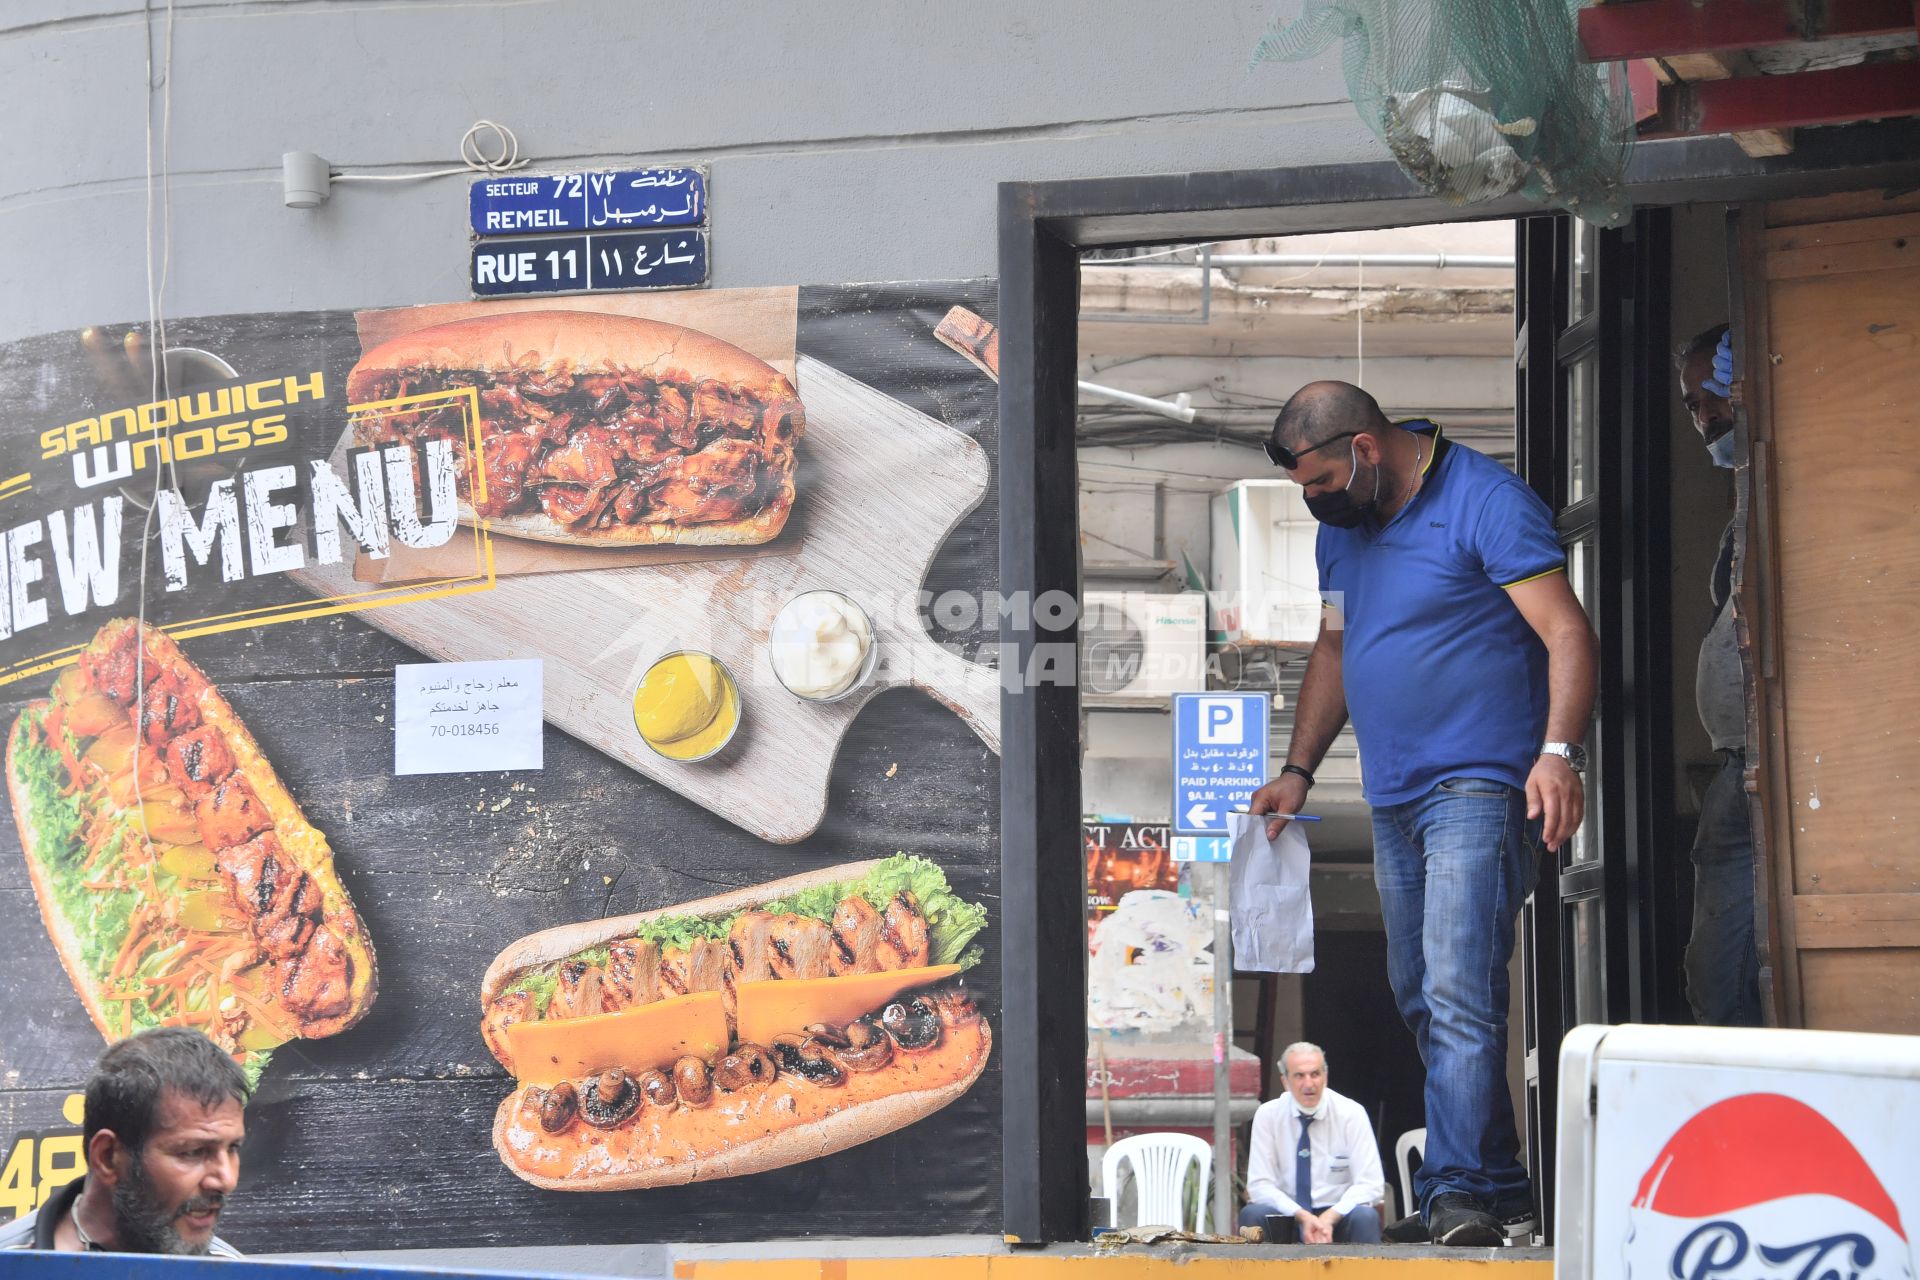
[1721, 383]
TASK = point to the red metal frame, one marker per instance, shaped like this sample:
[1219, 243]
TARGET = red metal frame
[1839, 95]
[1661, 28]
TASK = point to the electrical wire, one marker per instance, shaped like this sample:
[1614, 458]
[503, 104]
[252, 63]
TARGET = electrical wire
[1157, 253]
[156, 336]
[475, 160]
[1360, 328]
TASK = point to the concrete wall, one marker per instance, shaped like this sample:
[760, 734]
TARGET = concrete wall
[847, 141]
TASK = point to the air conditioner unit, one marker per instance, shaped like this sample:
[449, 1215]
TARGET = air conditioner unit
[1265, 586]
[1136, 645]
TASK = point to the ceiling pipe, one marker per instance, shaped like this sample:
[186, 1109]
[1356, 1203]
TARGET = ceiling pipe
[1431, 261]
[1180, 408]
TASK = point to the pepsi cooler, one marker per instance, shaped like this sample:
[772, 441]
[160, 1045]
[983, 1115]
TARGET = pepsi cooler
[1714, 1154]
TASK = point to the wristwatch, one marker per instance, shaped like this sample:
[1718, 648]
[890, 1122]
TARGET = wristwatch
[1572, 752]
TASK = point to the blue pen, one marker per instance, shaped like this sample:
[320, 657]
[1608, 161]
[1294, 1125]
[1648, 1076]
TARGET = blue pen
[1290, 817]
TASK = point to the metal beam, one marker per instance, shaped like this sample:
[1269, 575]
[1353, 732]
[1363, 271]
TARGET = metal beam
[1662, 28]
[1838, 95]
[1043, 1032]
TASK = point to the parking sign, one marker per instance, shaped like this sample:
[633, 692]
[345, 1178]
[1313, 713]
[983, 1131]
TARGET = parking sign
[1219, 758]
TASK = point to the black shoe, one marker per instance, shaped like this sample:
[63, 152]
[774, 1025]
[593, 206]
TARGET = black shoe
[1457, 1220]
[1411, 1229]
[1515, 1215]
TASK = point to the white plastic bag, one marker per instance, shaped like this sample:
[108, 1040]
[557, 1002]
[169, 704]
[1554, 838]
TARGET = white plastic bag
[1272, 909]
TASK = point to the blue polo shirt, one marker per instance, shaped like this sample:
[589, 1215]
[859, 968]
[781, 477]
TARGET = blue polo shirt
[1444, 678]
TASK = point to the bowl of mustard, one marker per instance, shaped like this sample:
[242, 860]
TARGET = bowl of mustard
[687, 707]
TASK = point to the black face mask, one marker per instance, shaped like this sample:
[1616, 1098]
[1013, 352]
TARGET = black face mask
[1340, 509]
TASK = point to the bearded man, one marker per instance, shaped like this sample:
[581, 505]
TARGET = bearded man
[166, 1113]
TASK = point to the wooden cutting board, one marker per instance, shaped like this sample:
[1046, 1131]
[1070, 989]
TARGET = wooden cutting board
[881, 487]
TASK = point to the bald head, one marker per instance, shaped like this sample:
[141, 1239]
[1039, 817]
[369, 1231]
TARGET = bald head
[1321, 410]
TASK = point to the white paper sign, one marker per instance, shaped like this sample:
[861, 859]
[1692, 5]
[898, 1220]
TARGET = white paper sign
[466, 717]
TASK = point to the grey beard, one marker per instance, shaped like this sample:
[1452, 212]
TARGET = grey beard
[143, 1224]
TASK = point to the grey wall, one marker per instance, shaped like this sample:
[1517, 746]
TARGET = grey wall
[847, 141]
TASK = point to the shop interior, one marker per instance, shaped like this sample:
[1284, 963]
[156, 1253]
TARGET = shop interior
[1197, 569]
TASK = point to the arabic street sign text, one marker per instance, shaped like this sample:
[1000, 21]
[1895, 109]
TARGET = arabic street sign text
[1219, 758]
[629, 199]
[597, 263]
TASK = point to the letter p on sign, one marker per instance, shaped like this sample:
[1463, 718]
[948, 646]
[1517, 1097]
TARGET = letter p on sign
[1220, 722]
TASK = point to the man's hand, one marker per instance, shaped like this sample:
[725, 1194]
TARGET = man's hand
[1330, 1219]
[1312, 1229]
[1285, 794]
[1555, 796]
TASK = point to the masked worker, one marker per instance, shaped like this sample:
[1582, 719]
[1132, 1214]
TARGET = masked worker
[1723, 966]
[1452, 638]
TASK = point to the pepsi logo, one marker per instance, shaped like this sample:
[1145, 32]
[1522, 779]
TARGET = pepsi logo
[1763, 1187]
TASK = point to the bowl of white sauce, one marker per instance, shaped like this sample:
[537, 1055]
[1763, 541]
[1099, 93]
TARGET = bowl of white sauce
[822, 646]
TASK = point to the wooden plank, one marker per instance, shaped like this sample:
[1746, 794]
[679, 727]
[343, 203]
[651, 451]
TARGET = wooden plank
[1845, 392]
[875, 474]
[1844, 231]
[1857, 920]
[1847, 204]
[1863, 990]
[1868, 244]
[1724, 66]
[1756, 621]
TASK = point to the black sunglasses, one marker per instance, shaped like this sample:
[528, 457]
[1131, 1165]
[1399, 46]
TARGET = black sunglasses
[1281, 456]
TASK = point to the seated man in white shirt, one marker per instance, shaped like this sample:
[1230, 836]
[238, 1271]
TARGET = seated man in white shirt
[1313, 1160]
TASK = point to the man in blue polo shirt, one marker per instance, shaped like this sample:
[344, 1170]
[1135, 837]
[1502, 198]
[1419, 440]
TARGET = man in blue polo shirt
[1453, 640]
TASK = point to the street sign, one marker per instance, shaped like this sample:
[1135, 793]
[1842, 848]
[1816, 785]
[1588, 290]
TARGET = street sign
[629, 199]
[1219, 758]
[1201, 849]
[595, 263]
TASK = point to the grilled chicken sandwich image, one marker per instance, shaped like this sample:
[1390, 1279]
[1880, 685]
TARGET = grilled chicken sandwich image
[598, 429]
[738, 1033]
[178, 879]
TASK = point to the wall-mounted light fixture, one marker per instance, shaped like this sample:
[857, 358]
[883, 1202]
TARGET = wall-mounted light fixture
[305, 179]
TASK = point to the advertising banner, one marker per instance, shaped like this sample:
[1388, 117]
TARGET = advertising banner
[552, 745]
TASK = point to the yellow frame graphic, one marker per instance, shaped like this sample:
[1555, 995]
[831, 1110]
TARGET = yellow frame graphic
[482, 578]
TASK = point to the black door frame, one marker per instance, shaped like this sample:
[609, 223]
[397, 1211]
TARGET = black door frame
[1042, 229]
[1624, 331]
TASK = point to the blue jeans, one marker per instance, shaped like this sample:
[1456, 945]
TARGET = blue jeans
[1453, 868]
[1362, 1226]
[1723, 968]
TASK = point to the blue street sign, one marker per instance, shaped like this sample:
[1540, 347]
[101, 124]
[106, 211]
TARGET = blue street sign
[596, 263]
[1219, 758]
[1202, 849]
[630, 199]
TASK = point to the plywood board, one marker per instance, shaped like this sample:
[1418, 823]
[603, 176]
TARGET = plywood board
[1847, 204]
[1845, 396]
[1836, 248]
[1857, 920]
[1862, 990]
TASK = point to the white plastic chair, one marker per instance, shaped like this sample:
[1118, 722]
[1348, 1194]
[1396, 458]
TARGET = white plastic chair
[1159, 1163]
[1412, 1143]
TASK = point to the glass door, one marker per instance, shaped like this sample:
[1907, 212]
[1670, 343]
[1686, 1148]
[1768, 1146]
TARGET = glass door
[1588, 363]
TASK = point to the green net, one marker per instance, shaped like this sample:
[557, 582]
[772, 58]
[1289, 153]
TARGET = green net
[1479, 98]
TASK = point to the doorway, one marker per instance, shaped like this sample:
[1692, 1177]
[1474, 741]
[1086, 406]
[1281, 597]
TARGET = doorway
[1044, 229]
